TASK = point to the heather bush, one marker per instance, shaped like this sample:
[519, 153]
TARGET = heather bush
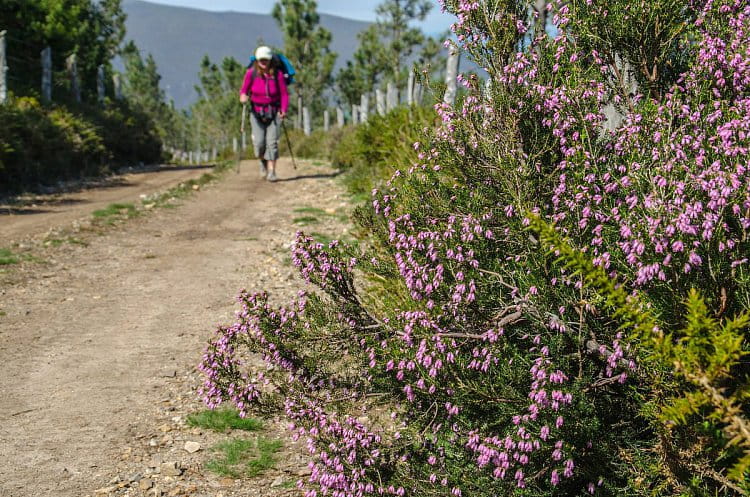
[546, 299]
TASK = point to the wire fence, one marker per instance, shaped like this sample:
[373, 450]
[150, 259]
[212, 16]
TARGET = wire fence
[27, 65]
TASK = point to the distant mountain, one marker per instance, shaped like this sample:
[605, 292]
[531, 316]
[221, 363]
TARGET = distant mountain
[179, 37]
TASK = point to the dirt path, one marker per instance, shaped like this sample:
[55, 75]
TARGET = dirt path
[99, 343]
[39, 214]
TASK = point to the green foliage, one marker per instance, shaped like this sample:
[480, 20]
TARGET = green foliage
[319, 145]
[216, 117]
[384, 48]
[223, 420]
[42, 145]
[244, 458]
[306, 44]
[653, 37]
[705, 355]
[371, 152]
[394, 17]
[92, 30]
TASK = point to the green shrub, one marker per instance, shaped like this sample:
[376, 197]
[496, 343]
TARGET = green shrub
[371, 152]
[45, 144]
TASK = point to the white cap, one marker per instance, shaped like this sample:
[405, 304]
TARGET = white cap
[263, 53]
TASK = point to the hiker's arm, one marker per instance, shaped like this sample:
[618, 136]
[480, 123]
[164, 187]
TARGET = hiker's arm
[245, 90]
[284, 92]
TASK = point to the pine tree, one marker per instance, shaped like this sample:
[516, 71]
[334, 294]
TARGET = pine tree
[393, 21]
[306, 44]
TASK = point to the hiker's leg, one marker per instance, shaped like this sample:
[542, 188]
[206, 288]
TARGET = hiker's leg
[272, 147]
[259, 142]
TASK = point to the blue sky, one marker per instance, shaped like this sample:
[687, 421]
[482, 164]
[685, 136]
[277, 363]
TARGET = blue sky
[363, 10]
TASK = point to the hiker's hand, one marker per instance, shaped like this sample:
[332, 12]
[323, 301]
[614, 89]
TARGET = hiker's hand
[243, 98]
[282, 115]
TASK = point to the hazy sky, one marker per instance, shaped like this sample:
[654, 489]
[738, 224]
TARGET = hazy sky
[363, 10]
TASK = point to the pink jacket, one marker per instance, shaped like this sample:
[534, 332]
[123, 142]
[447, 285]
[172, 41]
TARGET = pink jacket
[266, 90]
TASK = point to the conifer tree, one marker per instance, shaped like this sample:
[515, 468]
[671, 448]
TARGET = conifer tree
[306, 44]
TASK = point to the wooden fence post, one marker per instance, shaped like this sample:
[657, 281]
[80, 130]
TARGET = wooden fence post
[72, 65]
[417, 94]
[307, 127]
[339, 117]
[3, 70]
[410, 89]
[47, 74]
[364, 107]
[392, 101]
[117, 83]
[451, 73]
[100, 90]
[326, 120]
[355, 114]
[298, 124]
[380, 102]
[540, 6]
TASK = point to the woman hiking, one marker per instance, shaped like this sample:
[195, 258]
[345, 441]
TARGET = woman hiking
[265, 87]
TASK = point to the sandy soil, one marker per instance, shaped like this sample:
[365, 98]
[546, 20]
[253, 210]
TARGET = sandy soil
[99, 339]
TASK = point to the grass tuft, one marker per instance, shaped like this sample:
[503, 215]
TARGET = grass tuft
[115, 211]
[242, 457]
[305, 220]
[7, 257]
[223, 420]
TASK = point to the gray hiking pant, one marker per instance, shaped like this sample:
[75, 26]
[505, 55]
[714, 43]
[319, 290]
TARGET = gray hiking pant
[265, 137]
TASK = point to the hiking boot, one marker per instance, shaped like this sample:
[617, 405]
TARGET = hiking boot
[271, 176]
[263, 169]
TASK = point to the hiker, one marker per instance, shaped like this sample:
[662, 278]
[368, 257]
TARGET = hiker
[265, 87]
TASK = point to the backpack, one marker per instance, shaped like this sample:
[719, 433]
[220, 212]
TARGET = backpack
[282, 64]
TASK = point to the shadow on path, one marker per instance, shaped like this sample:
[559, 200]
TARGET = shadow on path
[309, 176]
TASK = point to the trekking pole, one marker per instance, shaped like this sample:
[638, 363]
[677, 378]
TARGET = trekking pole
[288, 144]
[242, 133]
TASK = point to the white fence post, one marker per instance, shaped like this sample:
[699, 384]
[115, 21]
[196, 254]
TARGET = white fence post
[339, 117]
[117, 83]
[307, 126]
[451, 73]
[298, 122]
[364, 107]
[392, 101]
[326, 120]
[3, 70]
[234, 144]
[380, 102]
[410, 89]
[100, 91]
[72, 65]
[418, 91]
[47, 74]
